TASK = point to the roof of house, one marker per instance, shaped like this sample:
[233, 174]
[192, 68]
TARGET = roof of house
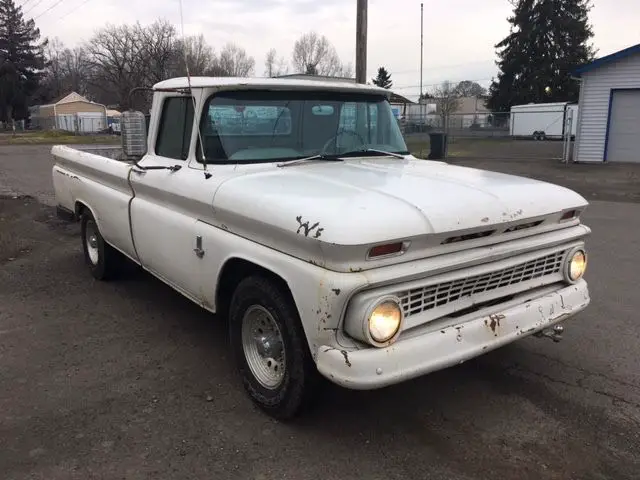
[69, 98]
[602, 61]
[267, 83]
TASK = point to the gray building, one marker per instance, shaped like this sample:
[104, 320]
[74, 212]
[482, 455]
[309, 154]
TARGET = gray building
[609, 111]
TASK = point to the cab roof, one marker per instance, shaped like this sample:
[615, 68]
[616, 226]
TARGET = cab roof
[244, 83]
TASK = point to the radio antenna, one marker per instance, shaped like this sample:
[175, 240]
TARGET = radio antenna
[207, 175]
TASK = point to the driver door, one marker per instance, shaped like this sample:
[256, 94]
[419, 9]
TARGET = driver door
[164, 210]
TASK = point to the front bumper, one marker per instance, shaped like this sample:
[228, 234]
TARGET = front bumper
[408, 358]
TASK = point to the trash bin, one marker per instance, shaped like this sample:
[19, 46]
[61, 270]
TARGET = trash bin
[438, 146]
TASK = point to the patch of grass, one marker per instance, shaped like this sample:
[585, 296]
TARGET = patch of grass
[50, 137]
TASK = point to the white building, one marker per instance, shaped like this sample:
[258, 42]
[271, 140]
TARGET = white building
[609, 109]
[71, 112]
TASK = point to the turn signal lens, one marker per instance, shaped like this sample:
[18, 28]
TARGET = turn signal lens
[388, 249]
[569, 215]
[384, 321]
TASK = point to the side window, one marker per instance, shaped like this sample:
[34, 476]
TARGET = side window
[174, 131]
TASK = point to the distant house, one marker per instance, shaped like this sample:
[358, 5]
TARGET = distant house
[71, 112]
[470, 111]
[609, 108]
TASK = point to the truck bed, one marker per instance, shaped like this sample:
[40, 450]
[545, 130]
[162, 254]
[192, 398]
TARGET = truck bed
[113, 152]
[96, 177]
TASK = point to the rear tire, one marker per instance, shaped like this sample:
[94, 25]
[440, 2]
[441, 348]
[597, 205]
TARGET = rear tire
[103, 260]
[270, 348]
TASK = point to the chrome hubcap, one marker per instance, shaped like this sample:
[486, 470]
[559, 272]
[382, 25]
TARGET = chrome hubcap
[91, 239]
[263, 346]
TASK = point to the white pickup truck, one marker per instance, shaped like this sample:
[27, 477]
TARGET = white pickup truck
[293, 209]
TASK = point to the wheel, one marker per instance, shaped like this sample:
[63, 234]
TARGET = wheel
[270, 349]
[103, 260]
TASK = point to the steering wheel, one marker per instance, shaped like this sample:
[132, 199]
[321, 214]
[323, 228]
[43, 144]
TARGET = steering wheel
[335, 139]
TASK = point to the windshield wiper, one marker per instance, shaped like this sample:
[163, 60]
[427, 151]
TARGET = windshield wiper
[373, 150]
[324, 157]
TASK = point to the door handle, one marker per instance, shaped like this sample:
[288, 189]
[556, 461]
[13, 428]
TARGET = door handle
[198, 250]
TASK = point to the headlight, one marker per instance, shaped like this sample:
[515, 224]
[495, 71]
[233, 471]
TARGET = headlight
[384, 320]
[576, 265]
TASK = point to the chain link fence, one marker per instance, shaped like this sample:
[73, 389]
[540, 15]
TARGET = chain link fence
[72, 124]
[545, 133]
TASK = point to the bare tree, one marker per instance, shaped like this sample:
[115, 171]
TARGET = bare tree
[116, 59]
[54, 76]
[315, 55]
[76, 70]
[274, 67]
[66, 70]
[234, 62]
[447, 101]
[157, 50]
[199, 56]
[468, 88]
[127, 56]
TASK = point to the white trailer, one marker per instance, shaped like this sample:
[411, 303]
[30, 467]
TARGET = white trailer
[543, 120]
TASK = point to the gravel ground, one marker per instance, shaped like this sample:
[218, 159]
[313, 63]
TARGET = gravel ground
[131, 380]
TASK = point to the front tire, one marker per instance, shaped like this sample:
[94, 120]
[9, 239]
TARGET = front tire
[270, 348]
[103, 260]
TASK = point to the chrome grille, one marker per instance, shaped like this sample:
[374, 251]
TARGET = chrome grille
[421, 299]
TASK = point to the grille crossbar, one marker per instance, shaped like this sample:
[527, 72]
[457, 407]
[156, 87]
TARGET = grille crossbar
[418, 300]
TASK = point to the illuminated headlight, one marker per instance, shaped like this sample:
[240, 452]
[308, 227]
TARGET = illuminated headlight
[576, 265]
[383, 321]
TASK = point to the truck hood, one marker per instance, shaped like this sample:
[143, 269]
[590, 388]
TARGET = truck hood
[374, 200]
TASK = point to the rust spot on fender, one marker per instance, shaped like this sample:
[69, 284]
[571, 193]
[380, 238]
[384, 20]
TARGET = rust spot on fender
[344, 353]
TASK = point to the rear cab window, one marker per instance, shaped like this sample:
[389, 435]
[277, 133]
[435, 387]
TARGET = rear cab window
[174, 131]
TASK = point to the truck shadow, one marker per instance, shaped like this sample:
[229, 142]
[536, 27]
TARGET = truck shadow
[487, 415]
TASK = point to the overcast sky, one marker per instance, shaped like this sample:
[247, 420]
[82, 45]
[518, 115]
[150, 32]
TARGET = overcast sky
[459, 35]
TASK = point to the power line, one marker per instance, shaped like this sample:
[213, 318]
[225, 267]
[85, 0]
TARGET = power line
[441, 67]
[57, 3]
[440, 83]
[25, 4]
[74, 9]
[33, 6]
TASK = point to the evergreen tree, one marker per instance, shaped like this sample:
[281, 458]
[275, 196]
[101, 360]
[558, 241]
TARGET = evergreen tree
[21, 61]
[548, 39]
[383, 79]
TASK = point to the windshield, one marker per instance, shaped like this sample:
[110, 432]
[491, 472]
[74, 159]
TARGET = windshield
[268, 126]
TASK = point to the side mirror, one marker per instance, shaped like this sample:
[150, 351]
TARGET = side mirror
[133, 126]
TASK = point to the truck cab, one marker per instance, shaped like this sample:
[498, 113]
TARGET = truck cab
[293, 210]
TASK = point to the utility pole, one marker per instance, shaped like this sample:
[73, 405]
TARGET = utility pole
[421, 43]
[421, 100]
[361, 42]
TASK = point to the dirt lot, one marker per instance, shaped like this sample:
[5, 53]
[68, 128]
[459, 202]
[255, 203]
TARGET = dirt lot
[504, 148]
[130, 380]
